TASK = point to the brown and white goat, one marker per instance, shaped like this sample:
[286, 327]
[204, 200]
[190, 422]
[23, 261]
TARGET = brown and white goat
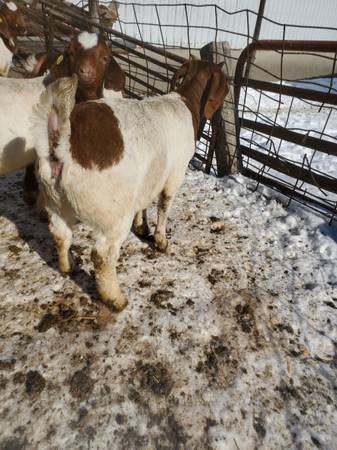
[88, 56]
[96, 168]
[12, 25]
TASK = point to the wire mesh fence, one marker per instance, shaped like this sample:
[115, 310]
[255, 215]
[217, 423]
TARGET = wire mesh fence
[151, 39]
[287, 130]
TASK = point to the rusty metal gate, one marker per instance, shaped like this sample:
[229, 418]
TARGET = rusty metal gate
[287, 131]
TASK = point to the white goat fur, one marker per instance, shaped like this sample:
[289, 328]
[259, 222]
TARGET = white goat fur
[158, 140]
[6, 57]
[88, 40]
[29, 63]
[18, 98]
[12, 6]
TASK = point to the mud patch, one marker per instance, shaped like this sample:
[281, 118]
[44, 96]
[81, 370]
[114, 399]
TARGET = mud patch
[14, 443]
[245, 317]
[35, 383]
[215, 276]
[218, 360]
[81, 385]
[160, 298]
[71, 314]
[154, 378]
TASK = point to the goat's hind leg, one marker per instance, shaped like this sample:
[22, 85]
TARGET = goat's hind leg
[62, 234]
[140, 225]
[105, 256]
[164, 204]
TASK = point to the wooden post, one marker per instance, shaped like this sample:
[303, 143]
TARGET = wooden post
[94, 15]
[224, 143]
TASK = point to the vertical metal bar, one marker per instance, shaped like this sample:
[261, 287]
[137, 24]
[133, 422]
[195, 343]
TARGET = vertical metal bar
[256, 35]
[94, 14]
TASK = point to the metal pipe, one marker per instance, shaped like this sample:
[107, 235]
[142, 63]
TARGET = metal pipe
[256, 35]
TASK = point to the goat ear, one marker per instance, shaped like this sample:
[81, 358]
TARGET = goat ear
[115, 76]
[62, 94]
[217, 93]
[180, 73]
[61, 67]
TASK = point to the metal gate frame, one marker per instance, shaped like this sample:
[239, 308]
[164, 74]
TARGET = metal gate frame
[285, 167]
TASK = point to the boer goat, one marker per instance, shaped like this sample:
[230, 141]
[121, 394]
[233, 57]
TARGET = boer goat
[38, 64]
[12, 25]
[96, 168]
[88, 56]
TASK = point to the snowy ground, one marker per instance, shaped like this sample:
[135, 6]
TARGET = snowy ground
[229, 340]
[302, 117]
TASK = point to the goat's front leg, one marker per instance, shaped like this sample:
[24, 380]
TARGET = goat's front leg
[105, 256]
[164, 204]
[140, 225]
[62, 235]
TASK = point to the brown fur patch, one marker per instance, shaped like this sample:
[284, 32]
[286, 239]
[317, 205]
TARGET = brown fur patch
[96, 139]
[14, 20]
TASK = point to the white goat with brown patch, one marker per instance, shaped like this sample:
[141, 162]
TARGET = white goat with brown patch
[88, 56]
[104, 161]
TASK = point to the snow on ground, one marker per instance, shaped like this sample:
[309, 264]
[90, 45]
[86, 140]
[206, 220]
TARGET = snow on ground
[303, 118]
[229, 340]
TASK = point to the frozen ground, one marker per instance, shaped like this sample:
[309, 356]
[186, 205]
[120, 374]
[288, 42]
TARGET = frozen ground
[229, 340]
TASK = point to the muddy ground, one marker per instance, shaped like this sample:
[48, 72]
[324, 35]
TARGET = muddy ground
[228, 342]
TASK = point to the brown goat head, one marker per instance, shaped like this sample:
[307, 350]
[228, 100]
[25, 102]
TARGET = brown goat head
[12, 22]
[90, 58]
[204, 87]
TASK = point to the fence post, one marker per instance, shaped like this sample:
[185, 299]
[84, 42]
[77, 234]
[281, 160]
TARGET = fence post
[94, 15]
[48, 29]
[223, 121]
[256, 36]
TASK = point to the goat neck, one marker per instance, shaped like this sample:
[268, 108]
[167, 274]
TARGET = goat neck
[196, 75]
[84, 94]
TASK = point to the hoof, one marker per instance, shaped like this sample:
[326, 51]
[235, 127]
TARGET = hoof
[142, 230]
[160, 243]
[66, 268]
[116, 305]
[30, 197]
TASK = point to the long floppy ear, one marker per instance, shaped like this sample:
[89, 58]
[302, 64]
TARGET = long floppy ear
[62, 96]
[61, 67]
[115, 76]
[180, 73]
[217, 93]
[53, 129]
